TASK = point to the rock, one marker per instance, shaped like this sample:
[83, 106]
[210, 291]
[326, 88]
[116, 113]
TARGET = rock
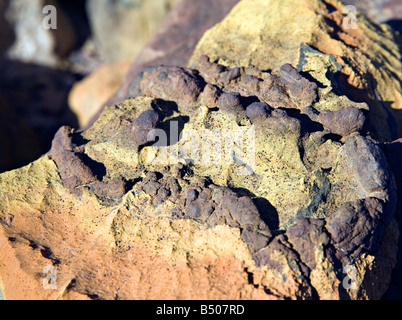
[175, 40]
[344, 121]
[170, 84]
[88, 95]
[329, 53]
[167, 197]
[122, 28]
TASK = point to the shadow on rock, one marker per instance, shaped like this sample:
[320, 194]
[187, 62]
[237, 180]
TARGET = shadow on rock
[33, 106]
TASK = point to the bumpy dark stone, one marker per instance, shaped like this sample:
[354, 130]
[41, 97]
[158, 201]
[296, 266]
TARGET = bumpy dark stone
[217, 205]
[230, 102]
[210, 96]
[369, 165]
[304, 91]
[142, 126]
[160, 188]
[305, 235]
[344, 121]
[279, 243]
[110, 190]
[208, 70]
[172, 84]
[69, 160]
[356, 227]
[258, 111]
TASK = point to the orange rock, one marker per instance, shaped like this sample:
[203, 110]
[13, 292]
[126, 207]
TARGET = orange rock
[89, 95]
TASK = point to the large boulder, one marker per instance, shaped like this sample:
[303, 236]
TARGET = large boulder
[255, 173]
[250, 195]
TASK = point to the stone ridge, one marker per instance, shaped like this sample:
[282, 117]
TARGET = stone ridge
[318, 195]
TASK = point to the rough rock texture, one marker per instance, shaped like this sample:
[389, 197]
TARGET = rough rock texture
[175, 40]
[363, 63]
[250, 195]
[125, 25]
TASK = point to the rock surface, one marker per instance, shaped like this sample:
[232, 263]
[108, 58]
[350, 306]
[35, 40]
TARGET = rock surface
[363, 63]
[208, 183]
[219, 181]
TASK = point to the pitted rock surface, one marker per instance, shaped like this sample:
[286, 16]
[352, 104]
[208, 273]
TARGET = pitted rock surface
[281, 220]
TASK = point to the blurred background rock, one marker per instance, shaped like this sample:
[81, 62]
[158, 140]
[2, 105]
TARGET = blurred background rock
[50, 78]
[40, 69]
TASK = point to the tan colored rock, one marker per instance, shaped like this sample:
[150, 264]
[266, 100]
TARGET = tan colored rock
[122, 28]
[363, 63]
[89, 95]
[116, 215]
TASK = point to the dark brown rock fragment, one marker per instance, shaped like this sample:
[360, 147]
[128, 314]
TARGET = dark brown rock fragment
[230, 102]
[172, 84]
[306, 235]
[299, 88]
[110, 190]
[258, 111]
[210, 71]
[141, 127]
[216, 205]
[69, 160]
[369, 165]
[160, 188]
[210, 96]
[355, 227]
[266, 256]
[344, 121]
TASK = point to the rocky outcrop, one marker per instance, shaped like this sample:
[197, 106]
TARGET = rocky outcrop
[362, 62]
[244, 176]
[208, 183]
